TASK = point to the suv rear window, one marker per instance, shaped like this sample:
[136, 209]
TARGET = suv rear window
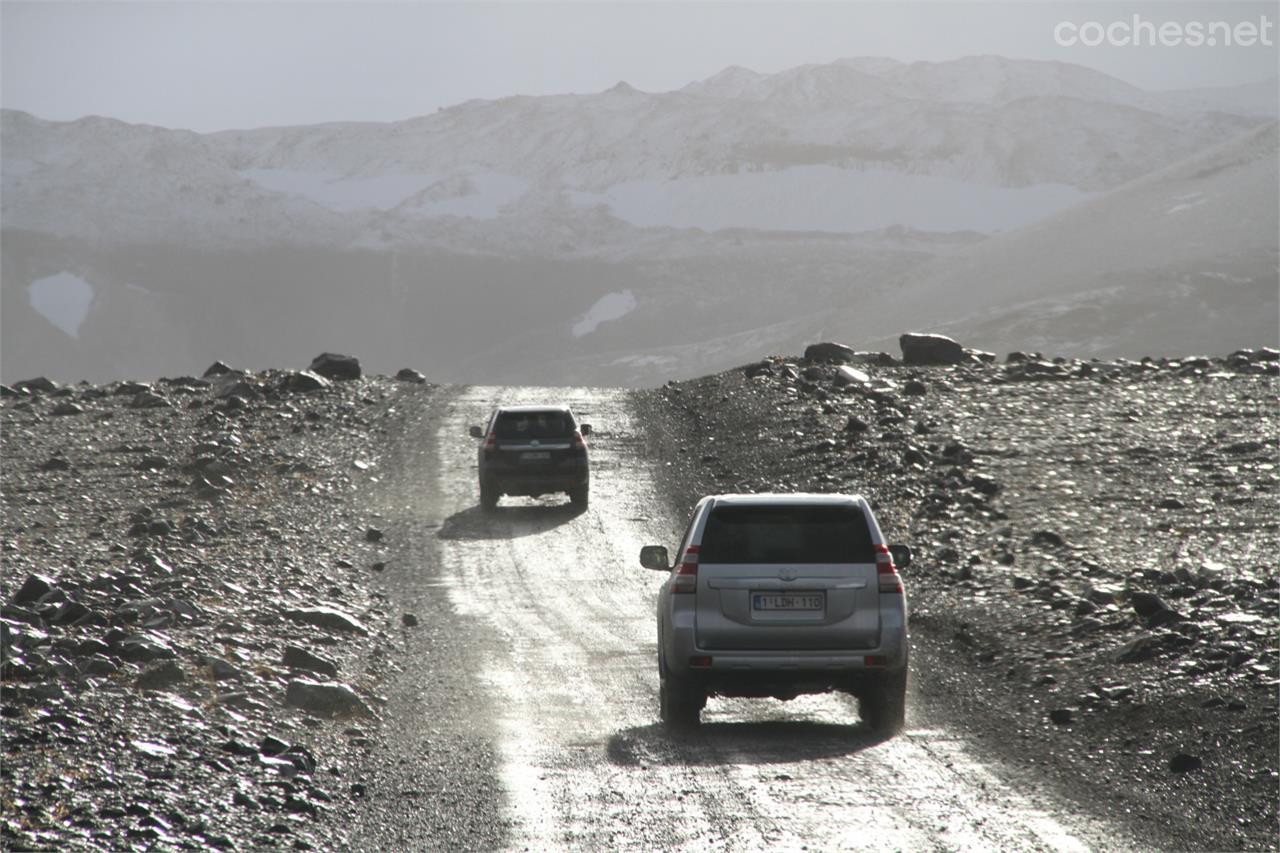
[786, 534]
[534, 425]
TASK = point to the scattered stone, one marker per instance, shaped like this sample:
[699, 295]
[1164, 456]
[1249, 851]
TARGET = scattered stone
[409, 620]
[325, 699]
[334, 366]
[1185, 762]
[160, 676]
[846, 376]
[39, 385]
[1061, 716]
[296, 657]
[406, 374]
[148, 400]
[326, 617]
[373, 534]
[66, 407]
[33, 588]
[218, 368]
[305, 380]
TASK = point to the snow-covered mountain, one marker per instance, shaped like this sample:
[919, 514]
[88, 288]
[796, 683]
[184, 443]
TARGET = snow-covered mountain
[589, 230]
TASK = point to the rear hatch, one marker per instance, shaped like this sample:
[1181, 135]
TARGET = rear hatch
[536, 443]
[787, 577]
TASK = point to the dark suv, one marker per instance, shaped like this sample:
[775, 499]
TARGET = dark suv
[533, 450]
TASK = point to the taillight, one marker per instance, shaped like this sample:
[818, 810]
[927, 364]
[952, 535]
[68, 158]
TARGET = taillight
[491, 442]
[686, 579]
[578, 440]
[887, 572]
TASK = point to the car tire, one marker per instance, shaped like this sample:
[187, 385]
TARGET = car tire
[883, 705]
[579, 496]
[680, 703]
[488, 496]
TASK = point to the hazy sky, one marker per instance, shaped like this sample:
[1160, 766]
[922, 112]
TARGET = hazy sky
[211, 66]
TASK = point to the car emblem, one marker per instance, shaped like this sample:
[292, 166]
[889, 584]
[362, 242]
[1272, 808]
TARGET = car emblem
[788, 574]
[533, 443]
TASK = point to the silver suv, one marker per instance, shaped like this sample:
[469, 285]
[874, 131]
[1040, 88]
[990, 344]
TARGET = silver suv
[781, 595]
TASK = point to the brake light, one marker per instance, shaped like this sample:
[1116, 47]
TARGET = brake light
[490, 442]
[686, 579]
[700, 662]
[578, 441]
[887, 572]
[875, 660]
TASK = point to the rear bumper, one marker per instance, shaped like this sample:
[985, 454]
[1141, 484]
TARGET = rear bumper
[833, 667]
[518, 483]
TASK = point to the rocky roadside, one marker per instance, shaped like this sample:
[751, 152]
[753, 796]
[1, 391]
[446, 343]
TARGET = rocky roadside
[192, 646]
[1094, 546]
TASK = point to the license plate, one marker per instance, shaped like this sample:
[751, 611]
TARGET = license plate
[787, 601]
[535, 456]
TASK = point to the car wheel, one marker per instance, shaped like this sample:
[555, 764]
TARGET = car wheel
[488, 496]
[680, 703]
[883, 705]
[579, 496]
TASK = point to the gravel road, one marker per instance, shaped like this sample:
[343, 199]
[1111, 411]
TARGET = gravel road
[538, 682]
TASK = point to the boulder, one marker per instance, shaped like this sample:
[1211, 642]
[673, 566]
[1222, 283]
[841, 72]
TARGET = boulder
[851, 376]
[39, 385]
[924, 349]
[407, 374]
[828, 351]
[334, 366]
[305, 380]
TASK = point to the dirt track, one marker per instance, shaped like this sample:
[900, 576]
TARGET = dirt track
[539, 672]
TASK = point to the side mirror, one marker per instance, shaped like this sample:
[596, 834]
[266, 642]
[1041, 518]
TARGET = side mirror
[476, 432]
[655, 557]
[901, 555]
[585, 429]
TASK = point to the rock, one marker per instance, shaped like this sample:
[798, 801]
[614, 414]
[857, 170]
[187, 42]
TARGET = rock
[10, 391]
[983, 484]
[97, 666]
[1140, 648]
[39, 385]
[1185, 762]
[856, 425]
[334, 366]
[55, 463]
[148, 400]
[142, 648]
[914, 388]
[1061, 716]
[1146, 604]
[373, 534]
[160, 676]
[1047, 539]
[846, 376]
[222, 669]
[326, 617]
[1171, 503]
[296, 657]
[218, 368]
[925, 349]
[33, 588]
[305, 380]
[328, 700]
[66, 407]
[409, 620]
[406, 374]
[838, 353]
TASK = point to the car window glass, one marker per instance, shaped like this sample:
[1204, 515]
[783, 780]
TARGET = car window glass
[513, 425]
[786, 534]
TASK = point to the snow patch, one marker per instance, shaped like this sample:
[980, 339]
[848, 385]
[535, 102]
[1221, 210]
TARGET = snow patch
[63, 300]
[611, 306]
[829, 198]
